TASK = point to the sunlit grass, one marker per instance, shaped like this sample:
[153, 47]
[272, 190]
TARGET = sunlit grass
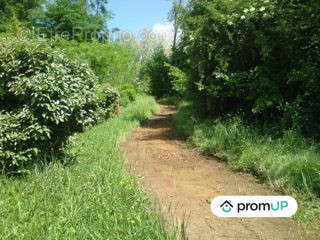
[92, 198]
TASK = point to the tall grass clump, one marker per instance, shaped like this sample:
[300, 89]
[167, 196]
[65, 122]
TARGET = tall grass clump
[92, 198]
[290, 163]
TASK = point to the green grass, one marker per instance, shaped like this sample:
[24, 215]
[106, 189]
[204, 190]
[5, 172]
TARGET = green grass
[93, 197]
[291, 164]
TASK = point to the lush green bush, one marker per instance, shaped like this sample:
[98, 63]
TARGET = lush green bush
[107, 100]
[157, 69]
[44, 98]
[113, 63]
[256, 57]
[128, 94]
[19, 133]
[179, 80]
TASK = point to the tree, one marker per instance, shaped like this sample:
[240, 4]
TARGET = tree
[76, 19]
[99, 7]
[157, 69]
[22, 10]
[257, 58]
[174, 15]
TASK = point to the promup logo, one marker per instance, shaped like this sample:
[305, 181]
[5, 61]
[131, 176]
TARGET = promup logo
[254, 206]
[226, 206]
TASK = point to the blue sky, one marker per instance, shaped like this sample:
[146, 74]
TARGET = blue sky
[133, 15]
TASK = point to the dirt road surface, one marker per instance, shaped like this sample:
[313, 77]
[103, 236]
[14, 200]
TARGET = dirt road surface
[183, 183]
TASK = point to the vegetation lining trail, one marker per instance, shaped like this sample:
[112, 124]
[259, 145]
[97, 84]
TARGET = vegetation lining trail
[93, 198]
[187, 182]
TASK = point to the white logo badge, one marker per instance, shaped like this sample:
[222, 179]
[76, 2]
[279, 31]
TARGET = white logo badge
[254, 206]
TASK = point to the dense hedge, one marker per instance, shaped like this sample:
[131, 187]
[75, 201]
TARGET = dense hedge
[157, 70]
[260, 58]
[44, 98]
[113, 63]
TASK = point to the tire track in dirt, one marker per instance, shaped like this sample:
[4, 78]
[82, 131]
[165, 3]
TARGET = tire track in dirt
[183, 183]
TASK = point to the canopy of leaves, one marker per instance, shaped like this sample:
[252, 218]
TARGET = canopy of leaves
[158, 71]
[72, 19]
[80, 20]
[22, 10]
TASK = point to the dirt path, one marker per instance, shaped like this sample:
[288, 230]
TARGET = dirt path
[186, 182]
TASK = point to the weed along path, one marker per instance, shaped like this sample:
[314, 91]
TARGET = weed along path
[183, 183]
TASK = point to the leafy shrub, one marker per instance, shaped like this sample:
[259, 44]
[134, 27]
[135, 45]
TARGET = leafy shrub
[19, 135]
[157, 70]
[256, 57]
[45, 97]
[179, 80]
[108, 101]
[111, 62]
[128, 94]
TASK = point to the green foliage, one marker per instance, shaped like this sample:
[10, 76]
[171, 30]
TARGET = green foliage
[157, 70]
[80, 20]
[99, 7]
[112, 63]
[107, 101]
[256, 57]
[22, 10]
[45, 97]
[19, 131]
[254, 66]
[179, 80]
[128, 94]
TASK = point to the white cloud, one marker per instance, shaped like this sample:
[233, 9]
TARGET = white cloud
[163, 28]
[165, 33]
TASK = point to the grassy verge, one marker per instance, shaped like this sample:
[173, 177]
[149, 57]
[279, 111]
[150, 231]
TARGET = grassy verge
[92, 198]
[290, 164]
